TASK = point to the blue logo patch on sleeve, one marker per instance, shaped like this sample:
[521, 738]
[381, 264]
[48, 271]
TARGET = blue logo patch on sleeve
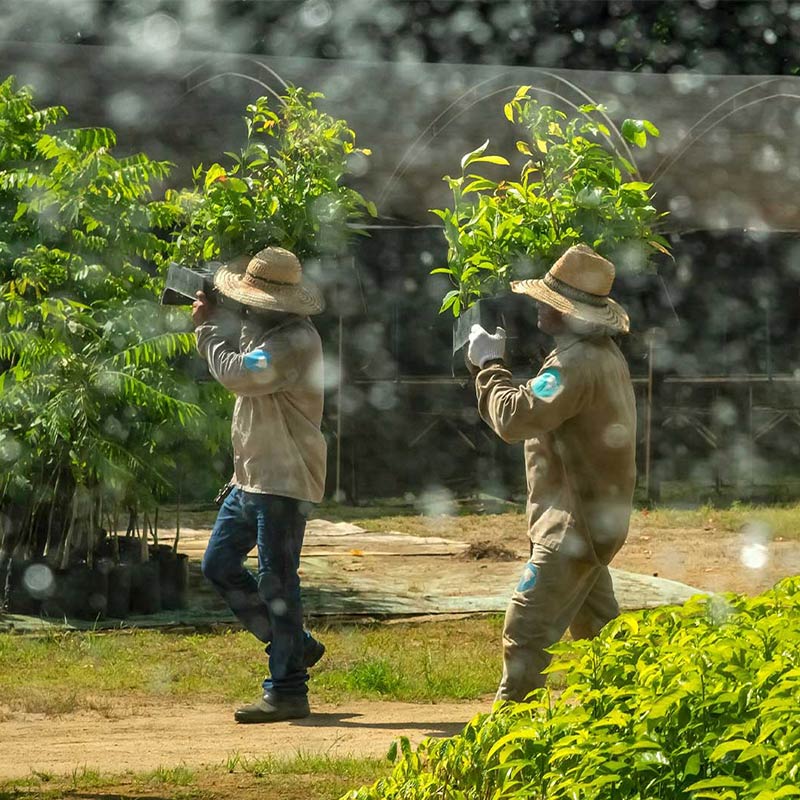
[256, 360]
[528, 579]
[546, 383]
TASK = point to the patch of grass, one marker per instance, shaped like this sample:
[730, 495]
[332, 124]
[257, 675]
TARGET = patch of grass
[52, 703]
[780, 520]
[45, 785]
[59, 673]
[302, 777]
[350, 768]
[459, 660]
[373, 676]
[83, 778]
[171, 776]
[783, 521]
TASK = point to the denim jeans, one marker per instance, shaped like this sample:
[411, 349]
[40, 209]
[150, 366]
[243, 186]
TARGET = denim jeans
[268, 605]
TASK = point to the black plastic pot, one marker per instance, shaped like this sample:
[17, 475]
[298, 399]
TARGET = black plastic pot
[516, 314]
[80, 591]
[161, 552]
[174, 580]
[23, 596]
[119, 591]
[130, 549]
[146, 588]
[174, 574]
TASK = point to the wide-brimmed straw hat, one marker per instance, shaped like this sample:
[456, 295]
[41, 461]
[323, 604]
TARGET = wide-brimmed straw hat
[271, 280]
[579, 285]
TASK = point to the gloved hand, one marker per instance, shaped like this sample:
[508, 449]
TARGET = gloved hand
[485, 346]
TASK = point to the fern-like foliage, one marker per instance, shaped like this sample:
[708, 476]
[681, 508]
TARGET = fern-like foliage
[91, 403]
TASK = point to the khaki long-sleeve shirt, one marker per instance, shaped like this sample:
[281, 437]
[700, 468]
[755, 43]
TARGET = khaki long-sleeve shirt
[578, 421]
[278, 447]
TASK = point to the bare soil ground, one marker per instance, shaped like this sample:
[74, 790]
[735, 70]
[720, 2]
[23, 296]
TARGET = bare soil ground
[706, 557]
[145, 737]
[142, 738]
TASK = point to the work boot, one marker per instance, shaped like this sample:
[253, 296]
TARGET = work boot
[272, 708]
[313, 650]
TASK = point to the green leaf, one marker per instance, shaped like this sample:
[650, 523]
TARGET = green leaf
[637, 186]
[633, 130]
[215, 172]
[755, 751]
[733, 746]
[236, 185]
[650, 128]
[480, 184]
[448, 300]
[719, 782]
[692, 766]
[391, 755]
[470, 157]
[209, 249]
[491, 160]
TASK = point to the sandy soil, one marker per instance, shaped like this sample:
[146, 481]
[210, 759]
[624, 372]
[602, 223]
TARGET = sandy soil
[707, 559]
[143, 738]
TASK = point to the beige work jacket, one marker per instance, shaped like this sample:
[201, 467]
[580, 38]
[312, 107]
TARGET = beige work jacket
[580, 443]
[278, 447]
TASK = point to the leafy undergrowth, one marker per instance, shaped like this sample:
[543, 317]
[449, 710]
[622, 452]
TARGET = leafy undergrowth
[699, 701]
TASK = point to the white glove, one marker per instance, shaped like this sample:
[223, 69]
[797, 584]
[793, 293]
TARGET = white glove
[485, 346]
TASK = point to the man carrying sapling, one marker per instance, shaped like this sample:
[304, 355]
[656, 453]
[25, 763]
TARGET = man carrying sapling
[279, 453]
[577, 418]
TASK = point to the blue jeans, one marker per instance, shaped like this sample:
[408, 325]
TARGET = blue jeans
[268, 605]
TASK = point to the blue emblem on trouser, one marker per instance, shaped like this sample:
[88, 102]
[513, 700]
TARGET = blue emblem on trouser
[528, 579]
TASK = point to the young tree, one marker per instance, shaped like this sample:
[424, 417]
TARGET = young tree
[286, 187]
[88, 406]
[574, 186]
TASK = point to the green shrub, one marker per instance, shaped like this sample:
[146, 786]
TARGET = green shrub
[90, 410]
[701, 701]
[95, 415]
[284, 188]
[575, 186]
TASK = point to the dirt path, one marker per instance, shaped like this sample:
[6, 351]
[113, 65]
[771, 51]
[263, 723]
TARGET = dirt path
[143, 738]
[704, 557]
[710, 560]
[136, 737]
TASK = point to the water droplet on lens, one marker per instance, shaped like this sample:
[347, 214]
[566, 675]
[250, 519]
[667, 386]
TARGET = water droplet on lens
[38, 580]
[755, 555]
[278, 607]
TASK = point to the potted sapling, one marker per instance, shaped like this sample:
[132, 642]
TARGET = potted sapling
[576, 182]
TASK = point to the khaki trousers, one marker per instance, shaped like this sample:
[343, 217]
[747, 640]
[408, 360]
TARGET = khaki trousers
[555, 592]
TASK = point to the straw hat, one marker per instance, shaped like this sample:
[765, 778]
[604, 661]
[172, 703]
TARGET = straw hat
[272, 280]
[578, 285]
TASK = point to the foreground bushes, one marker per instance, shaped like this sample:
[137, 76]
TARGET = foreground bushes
[701, 701]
